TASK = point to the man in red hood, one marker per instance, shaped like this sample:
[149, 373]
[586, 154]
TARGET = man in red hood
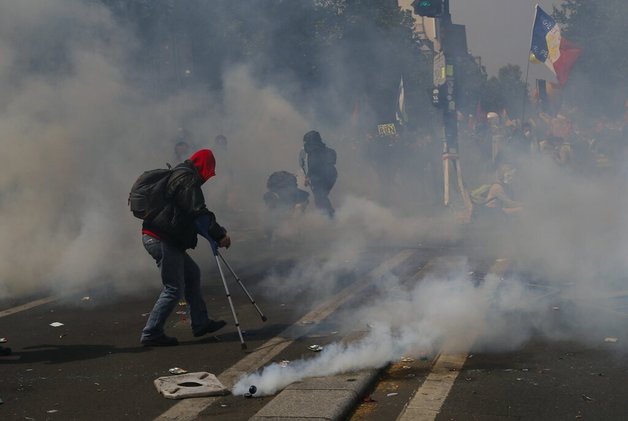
[168, 235]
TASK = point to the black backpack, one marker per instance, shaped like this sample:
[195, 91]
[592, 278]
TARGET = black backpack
[148, 194]
[280, 180]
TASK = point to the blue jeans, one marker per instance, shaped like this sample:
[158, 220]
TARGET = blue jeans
[181, 277]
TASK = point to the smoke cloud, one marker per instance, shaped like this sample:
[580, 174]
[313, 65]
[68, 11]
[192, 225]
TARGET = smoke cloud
[80, 120]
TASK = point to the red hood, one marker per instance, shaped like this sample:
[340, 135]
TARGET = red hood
[205, 163]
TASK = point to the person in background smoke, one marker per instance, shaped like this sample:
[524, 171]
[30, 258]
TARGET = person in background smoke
[181, 151]
[284, 200]
[500, 196]
[318, 163]
[497, 136]
[220, 143]
[226, 191]
[166, 238]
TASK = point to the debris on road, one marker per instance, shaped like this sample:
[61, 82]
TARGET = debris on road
[315, 348]
[392, 394]
[3, 340]
[407, 360]
[177, 370]
[63, 335]
[56, 324]
[610, 339]
[190, 385]
[145, 314]
[284, 363]
[587, 398]
[52, 411]
[86, 298]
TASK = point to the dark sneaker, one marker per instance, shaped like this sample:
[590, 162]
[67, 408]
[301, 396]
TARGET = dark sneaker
[161, 341]
[211, 326]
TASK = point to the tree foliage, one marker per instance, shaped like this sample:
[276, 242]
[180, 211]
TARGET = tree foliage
[507, 91]
[329, 54]
[599, 79]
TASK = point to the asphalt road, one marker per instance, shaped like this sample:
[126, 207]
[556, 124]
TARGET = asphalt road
[93, 367]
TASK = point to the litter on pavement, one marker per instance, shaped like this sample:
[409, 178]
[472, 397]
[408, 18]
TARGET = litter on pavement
[177, 370]
[190, 385]
[56, 324]
[3, 340]
[315, 348]
[610, 339]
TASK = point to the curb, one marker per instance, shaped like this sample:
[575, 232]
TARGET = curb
[319, 398]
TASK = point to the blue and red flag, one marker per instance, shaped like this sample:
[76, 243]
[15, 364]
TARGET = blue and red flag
[551, 48]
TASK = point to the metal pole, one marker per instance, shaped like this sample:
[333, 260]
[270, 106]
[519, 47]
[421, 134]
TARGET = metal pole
[243, 288]
[525, 95]
[235, 316]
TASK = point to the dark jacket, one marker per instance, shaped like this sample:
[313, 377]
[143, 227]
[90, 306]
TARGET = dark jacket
[185, 203]
[321, 160]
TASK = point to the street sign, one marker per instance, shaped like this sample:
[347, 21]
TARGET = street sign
[440, 75]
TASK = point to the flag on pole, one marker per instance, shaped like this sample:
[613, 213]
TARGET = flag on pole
[400, 115]
[549, 47]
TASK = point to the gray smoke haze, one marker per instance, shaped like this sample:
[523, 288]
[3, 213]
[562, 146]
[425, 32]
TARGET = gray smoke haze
[76, 134]
[78, 125]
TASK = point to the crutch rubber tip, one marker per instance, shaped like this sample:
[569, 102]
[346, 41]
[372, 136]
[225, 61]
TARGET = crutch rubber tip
[264, 318]
[243, 346]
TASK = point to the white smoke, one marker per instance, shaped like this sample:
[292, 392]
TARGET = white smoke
[417, 322]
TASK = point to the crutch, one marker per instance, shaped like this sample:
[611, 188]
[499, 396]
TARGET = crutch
[242, 286]
[214, 247]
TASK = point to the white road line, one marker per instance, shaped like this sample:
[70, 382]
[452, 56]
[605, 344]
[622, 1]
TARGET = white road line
[189, 409]
[27, 306]
[428, 400]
